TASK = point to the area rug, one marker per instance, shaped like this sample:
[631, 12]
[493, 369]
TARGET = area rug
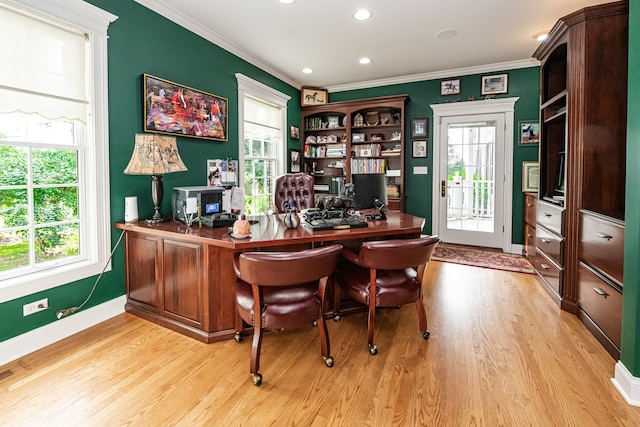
[481, 257]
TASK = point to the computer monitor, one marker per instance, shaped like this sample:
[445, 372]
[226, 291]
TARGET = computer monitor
[370, 190]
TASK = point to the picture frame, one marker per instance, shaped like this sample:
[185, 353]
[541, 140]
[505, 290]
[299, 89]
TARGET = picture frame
[450, 87]
[419, 128]
[530, 177]
[313, 96]
[419, 148]
[333, 121]
[295, 158]
[494, 84]
[358, 137]
[294, 132]
[174, 109]
[529, 132]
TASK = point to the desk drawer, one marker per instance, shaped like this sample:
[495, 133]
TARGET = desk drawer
[550, 244]
[530, 209]
[601, 302]
[551, 216]
[529, 240]
[551, 273]
[602, 245]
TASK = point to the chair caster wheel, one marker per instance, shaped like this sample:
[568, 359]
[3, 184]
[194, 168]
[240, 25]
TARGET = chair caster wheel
[426, 335]
[373, 349]
[257, 379]
[336, 317]
[328, 361]
[238, 337]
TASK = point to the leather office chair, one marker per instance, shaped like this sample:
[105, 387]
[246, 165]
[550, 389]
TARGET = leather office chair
[294, 189]
[285, 289]
[391, 271]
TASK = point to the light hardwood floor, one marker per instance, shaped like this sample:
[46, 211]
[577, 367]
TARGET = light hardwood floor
[500, 354]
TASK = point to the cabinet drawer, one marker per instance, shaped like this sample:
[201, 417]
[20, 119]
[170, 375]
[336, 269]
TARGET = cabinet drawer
[550, 244]
[395, 204]
[601, 302]
[602, 245]
[529, 240]
[551, 273]
[530, 209]
[551, 216]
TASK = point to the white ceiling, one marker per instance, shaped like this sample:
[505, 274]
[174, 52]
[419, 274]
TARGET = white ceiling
[400, 38]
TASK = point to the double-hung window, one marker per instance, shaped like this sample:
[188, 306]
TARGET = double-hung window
[54, 198]
[262, 121]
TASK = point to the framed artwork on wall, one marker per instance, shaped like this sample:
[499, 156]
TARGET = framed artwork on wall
[419, 128]
[495, 84]
[529, 132]
[419, 148]
[174, 109]
[450, 87]
[313, 96]
[295, 160]
[530, 177]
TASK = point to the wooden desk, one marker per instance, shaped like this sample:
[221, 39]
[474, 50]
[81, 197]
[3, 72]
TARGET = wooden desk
[182, 278]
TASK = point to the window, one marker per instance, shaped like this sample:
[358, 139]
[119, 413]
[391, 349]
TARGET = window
[54, 198]
[262, 117]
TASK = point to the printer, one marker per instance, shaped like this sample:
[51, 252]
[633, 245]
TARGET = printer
[204, 204]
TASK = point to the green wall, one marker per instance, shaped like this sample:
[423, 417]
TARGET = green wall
[140, 41]
[523, 83]
[630, 353]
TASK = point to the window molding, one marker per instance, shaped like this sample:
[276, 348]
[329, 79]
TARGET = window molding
[96, 170]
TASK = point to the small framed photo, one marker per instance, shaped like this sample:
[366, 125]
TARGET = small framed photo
[333, 121]
[530, 177]
[419, 128]
[294, 131]
[358, 137]
[450, 87]
[419, 148]
[314, 96]
[529, 132]
[295, 161]
[495, 84]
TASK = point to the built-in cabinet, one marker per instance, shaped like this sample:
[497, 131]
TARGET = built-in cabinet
[362, 136]
[580, 210]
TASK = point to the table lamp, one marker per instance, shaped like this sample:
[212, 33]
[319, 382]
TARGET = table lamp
[155, 155]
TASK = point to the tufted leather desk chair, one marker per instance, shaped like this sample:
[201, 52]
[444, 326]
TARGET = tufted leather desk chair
[390, 270]
[296, 189]
[285, 289]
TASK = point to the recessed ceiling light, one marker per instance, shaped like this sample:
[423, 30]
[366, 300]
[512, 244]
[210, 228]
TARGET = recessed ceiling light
[364, 60]
[540, 35]
[287, 1]
[446, 33]
[362, 14]
[307, 70]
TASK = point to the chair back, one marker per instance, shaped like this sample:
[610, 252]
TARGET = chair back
[294, 190]
[397, 254]
[287, 268]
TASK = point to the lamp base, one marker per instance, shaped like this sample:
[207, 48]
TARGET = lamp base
[156, 194]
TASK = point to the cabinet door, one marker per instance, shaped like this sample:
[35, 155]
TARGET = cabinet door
[143, 270]
[182, 284]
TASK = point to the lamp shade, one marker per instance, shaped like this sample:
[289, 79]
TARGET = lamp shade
[155, 155]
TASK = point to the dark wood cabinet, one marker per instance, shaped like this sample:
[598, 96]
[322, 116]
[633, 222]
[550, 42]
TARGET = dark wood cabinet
[361, 136]
[580, 212]
[530, 200]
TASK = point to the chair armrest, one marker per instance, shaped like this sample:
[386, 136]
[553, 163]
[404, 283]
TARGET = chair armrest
[351, 256]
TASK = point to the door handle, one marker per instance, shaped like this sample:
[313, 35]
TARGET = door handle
[443, 188]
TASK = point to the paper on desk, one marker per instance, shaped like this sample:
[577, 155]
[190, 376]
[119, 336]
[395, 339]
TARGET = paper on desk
[237, 199]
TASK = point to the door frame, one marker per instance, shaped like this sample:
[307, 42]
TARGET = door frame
[504, 106]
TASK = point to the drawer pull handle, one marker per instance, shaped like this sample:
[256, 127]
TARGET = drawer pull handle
[600, 292]
[604, 236]
[548, 215]
[545, 241]
[529, 205]
[544, 266]
[529, 235]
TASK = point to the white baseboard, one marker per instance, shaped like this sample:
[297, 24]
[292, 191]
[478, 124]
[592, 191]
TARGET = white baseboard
[627, 384]
[14, 348]
[516, 249]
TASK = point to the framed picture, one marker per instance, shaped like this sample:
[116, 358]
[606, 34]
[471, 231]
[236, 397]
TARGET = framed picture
[419, 128]
[175, 109]
[495, 84]
[530, 176]
[295, 160]
[294, 131]
[529, 132]
[450, 87]
[420, 148]
[313, 96]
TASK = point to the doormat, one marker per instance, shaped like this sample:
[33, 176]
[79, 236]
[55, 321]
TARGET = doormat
[481, 257]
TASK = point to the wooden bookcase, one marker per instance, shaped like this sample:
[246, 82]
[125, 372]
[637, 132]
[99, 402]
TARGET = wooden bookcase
[362, 136]
[580, 210]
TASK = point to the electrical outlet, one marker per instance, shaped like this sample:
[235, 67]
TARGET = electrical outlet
[35, 307]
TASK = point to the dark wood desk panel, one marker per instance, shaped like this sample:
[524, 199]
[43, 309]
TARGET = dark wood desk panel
[207, 298]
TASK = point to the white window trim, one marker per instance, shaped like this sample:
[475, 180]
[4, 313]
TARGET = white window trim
[97, 215]
[248, 86]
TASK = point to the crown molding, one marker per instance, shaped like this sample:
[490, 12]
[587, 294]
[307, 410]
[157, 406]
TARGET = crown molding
[479, 69]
